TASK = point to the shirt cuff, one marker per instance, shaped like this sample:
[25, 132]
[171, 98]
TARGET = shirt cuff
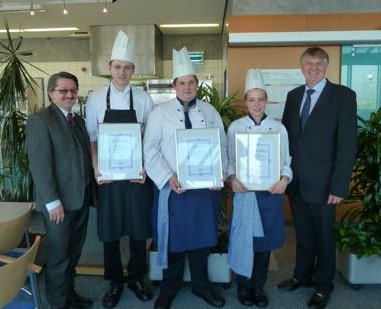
[52, 205]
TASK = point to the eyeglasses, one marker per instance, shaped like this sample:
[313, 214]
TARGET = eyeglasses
[65, 91]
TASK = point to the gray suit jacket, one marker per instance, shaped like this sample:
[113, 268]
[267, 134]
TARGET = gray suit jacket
[57, 158]
[323, 154]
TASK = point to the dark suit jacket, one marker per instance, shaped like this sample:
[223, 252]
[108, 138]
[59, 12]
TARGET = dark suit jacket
[323, 155]
[57, 159]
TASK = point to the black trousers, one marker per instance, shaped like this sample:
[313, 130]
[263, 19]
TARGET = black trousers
[137, 264]
[315, 241]
[259, 273]
[64, 242]
[173, 275]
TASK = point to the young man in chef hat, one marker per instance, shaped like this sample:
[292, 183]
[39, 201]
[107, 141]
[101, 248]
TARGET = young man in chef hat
[123, 206]
[184, 221]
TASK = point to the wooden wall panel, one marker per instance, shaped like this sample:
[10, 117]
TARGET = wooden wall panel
[304, 22]
[240, 59]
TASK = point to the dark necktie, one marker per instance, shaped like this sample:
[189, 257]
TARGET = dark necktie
[70, 118]
[306, 108]
[188, 124]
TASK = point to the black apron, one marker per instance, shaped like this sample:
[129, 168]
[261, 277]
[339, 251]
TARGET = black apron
[124, 207]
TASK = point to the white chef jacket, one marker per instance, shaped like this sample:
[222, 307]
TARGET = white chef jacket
[246, 125]
[96, 106]
[159, 139]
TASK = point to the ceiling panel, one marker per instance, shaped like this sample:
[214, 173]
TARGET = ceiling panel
[83, 13]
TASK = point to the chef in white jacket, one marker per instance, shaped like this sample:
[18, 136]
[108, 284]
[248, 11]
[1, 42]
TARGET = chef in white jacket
[191, 215]
[260, 211]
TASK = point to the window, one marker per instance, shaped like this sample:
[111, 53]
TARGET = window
[361, 71]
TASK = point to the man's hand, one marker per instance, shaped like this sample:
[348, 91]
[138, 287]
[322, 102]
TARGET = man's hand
[236, 185]
[332, 199]
[175, 185]
[57, 214]
[143, 180]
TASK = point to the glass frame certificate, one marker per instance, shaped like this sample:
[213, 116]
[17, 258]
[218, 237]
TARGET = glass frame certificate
[257, 159]
[198, 158]
[119, 151]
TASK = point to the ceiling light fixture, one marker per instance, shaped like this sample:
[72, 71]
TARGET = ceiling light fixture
[188, 25]
[41, 29]
[104, 10]
[32, 12]
[26, 8]
[65, 11]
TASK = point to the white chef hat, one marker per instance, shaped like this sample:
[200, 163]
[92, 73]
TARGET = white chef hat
[123, 48]
[182, 64]
[254, 79]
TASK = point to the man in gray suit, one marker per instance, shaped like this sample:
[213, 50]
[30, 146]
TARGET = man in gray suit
[320, 118]
[59, 160]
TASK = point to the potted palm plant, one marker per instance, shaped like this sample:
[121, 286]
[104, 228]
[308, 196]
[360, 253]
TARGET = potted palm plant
[15, 180]
[358, 232]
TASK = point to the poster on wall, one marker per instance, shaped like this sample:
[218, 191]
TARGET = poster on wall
[278, 82]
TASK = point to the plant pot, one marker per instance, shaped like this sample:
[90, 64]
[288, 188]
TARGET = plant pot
[218, 268]
[366, 270]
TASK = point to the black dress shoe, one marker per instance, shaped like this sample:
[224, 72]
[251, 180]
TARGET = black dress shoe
[318, 300]
[293, 284]
[141, 291]
[112, 296]
[163, 302]
[260, 299]
[79, 301]
[211, 298]
[245, 296]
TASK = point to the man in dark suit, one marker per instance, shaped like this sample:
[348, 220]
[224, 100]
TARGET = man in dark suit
[320, 118]
[59, 160]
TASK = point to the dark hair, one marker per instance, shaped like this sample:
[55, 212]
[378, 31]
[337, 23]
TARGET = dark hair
[52, 82]
[317, 52]
[175, 80]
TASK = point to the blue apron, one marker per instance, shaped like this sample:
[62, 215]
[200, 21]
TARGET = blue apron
[271, 208]
[193, 219]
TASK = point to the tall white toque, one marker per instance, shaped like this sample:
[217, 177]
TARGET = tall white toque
[123, 48]
[182, 64]
[254, 79]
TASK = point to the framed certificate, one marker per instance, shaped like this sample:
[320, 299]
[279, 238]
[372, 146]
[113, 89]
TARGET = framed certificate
[257, 159]
[119, 151]
[198, 155]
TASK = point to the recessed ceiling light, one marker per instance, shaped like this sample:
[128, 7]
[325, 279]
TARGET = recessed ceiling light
[187, 25]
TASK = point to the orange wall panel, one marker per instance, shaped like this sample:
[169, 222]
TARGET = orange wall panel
[240, 59]
[304, 22]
